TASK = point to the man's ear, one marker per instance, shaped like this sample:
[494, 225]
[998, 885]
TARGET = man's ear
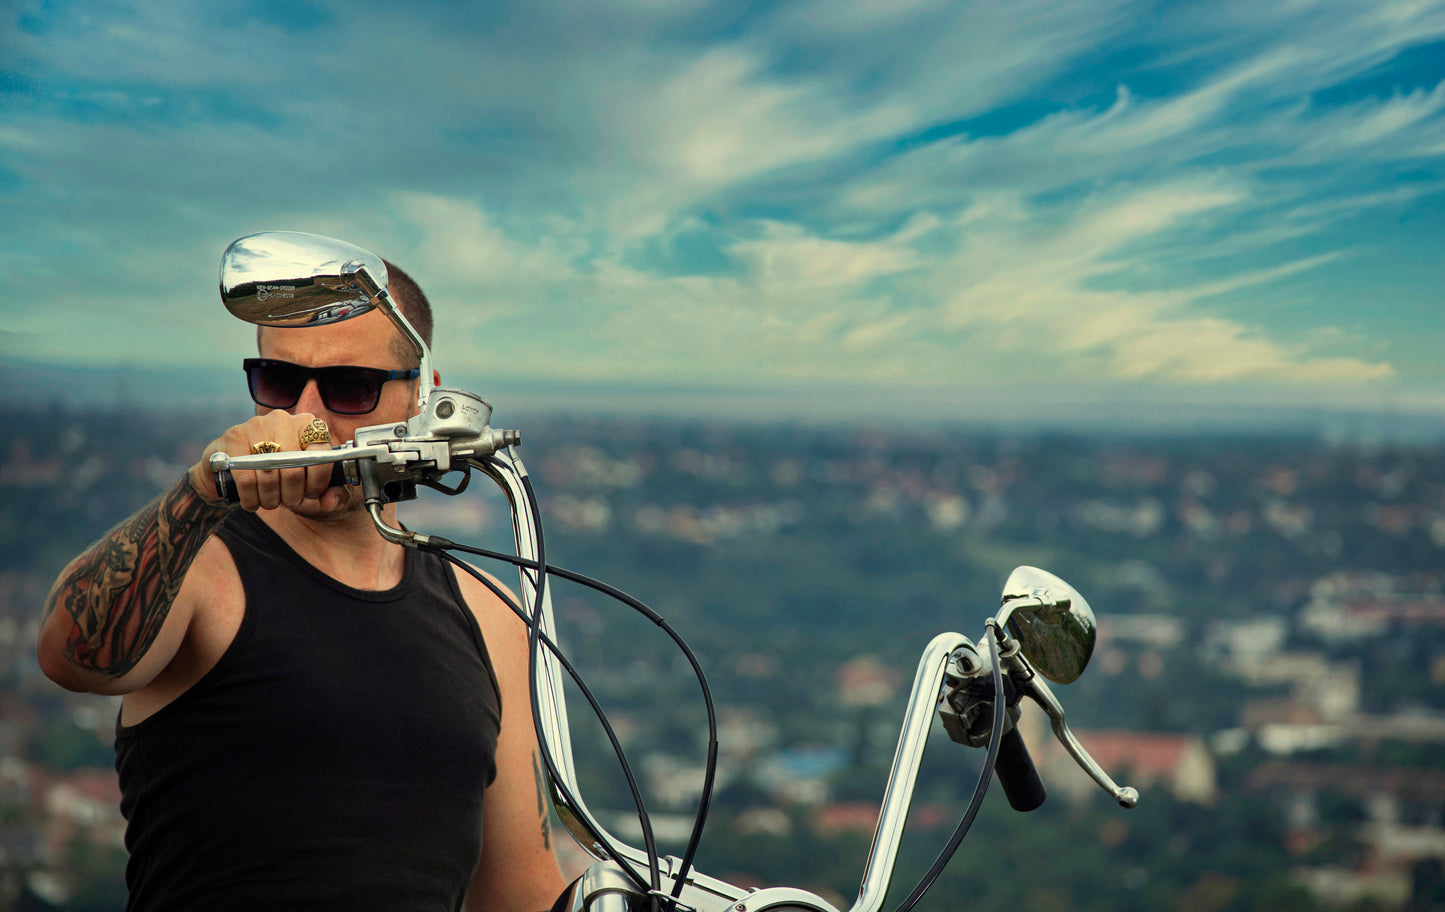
[436, 378]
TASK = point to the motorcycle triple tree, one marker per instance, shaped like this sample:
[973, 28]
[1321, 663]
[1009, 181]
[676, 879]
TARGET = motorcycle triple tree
[1043, 630]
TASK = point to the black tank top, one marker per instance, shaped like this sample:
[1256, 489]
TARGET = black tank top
[334, 758]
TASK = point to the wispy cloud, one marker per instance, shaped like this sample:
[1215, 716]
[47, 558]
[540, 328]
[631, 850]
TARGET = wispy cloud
[917, 192]
[1039, 287]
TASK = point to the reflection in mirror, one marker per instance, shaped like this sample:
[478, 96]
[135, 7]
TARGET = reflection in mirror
[290, 278]
[1055, 627]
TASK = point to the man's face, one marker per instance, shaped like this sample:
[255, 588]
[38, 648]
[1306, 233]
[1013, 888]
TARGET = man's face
[365, 341]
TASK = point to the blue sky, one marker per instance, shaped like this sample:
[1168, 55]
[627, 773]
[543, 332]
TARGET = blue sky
[1165, 201]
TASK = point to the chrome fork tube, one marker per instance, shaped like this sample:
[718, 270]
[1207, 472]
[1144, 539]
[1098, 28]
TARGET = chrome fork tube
[922, 704]
[506, 469]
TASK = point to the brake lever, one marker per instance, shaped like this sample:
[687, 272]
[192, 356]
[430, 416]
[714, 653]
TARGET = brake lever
[1032, 686]
[342, 473]
[291, 459]
[343, 462]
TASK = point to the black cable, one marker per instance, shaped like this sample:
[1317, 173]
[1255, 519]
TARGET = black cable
[710, 774]
[441, 546]
[710, 768]
[995, 737]
[534, 651]
[576, 676]
[536, 639]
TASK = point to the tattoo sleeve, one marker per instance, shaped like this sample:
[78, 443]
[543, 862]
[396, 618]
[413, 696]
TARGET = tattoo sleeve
[119, 592]
[543, 811]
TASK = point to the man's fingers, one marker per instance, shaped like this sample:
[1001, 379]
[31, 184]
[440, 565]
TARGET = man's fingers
[268, 488]
[273, 432]
[294, 433]
[315, 435]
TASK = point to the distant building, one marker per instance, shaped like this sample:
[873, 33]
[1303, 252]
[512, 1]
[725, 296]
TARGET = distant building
[1401, 823]
[1247, 639]
[800, 775]
[1159, 631]
[1344, 606]
[83, 804]
[846, 817]
[865, 681]
[1180, 763]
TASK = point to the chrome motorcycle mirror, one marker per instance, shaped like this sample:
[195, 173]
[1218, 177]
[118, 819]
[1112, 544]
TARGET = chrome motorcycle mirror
[289, 278]
[294, 279]
[1055, 627]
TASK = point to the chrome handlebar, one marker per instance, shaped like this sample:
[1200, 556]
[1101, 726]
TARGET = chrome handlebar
[949, 661]
[452, 432]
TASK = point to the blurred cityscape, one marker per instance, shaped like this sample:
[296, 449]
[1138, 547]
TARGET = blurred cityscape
[1269, 670]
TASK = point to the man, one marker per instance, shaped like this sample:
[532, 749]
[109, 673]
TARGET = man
[313, 718]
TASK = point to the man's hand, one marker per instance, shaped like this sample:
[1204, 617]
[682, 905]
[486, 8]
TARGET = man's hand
[270, 488]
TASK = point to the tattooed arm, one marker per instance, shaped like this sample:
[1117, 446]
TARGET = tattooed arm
[116, 615]
[110, 604]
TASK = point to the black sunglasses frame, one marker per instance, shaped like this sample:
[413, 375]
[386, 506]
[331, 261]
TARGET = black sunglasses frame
[327, 379]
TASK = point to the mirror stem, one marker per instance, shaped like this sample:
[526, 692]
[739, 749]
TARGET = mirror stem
[383, 301]
[1010, 606]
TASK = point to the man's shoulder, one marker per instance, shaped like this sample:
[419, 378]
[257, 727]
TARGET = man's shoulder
[479, 595]
[212, 602]
[492, 610]
[212, 578]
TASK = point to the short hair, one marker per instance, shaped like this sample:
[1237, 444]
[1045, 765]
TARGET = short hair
[411, 300]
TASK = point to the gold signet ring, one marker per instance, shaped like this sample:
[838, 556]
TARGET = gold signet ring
[265, 446]
[315, 432]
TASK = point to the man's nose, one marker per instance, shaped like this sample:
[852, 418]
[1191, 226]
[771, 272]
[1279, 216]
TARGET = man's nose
[310, 399]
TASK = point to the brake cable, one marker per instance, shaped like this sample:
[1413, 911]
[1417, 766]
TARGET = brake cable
[710, 770]
[441, 545]
[596, 708]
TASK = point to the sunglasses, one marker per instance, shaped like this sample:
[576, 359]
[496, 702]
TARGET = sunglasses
[345, 389]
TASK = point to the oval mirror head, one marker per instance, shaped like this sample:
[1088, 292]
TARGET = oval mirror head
[288, 278]
[1055, 627]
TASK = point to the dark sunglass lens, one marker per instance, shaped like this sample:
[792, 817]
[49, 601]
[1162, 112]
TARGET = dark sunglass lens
[351, 390]
[276, 384]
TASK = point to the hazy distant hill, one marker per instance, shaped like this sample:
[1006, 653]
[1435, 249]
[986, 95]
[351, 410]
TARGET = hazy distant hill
[1034, 408]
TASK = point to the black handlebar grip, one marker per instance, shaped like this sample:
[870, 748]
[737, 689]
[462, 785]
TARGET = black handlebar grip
[226, 485]
[1017, 775]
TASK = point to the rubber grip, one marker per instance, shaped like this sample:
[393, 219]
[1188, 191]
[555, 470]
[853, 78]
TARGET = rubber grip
[1016, 773]
[226, 485]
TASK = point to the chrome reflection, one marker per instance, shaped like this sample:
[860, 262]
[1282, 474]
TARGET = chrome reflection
[291, 278]
[1053, 623]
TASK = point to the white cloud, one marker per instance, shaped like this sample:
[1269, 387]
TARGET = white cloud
[457, 239]
[787, 259]
[867, 335]
[1402, 126]
[720, 120]
[807, 306]
[530, 168]
[1038, 286]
